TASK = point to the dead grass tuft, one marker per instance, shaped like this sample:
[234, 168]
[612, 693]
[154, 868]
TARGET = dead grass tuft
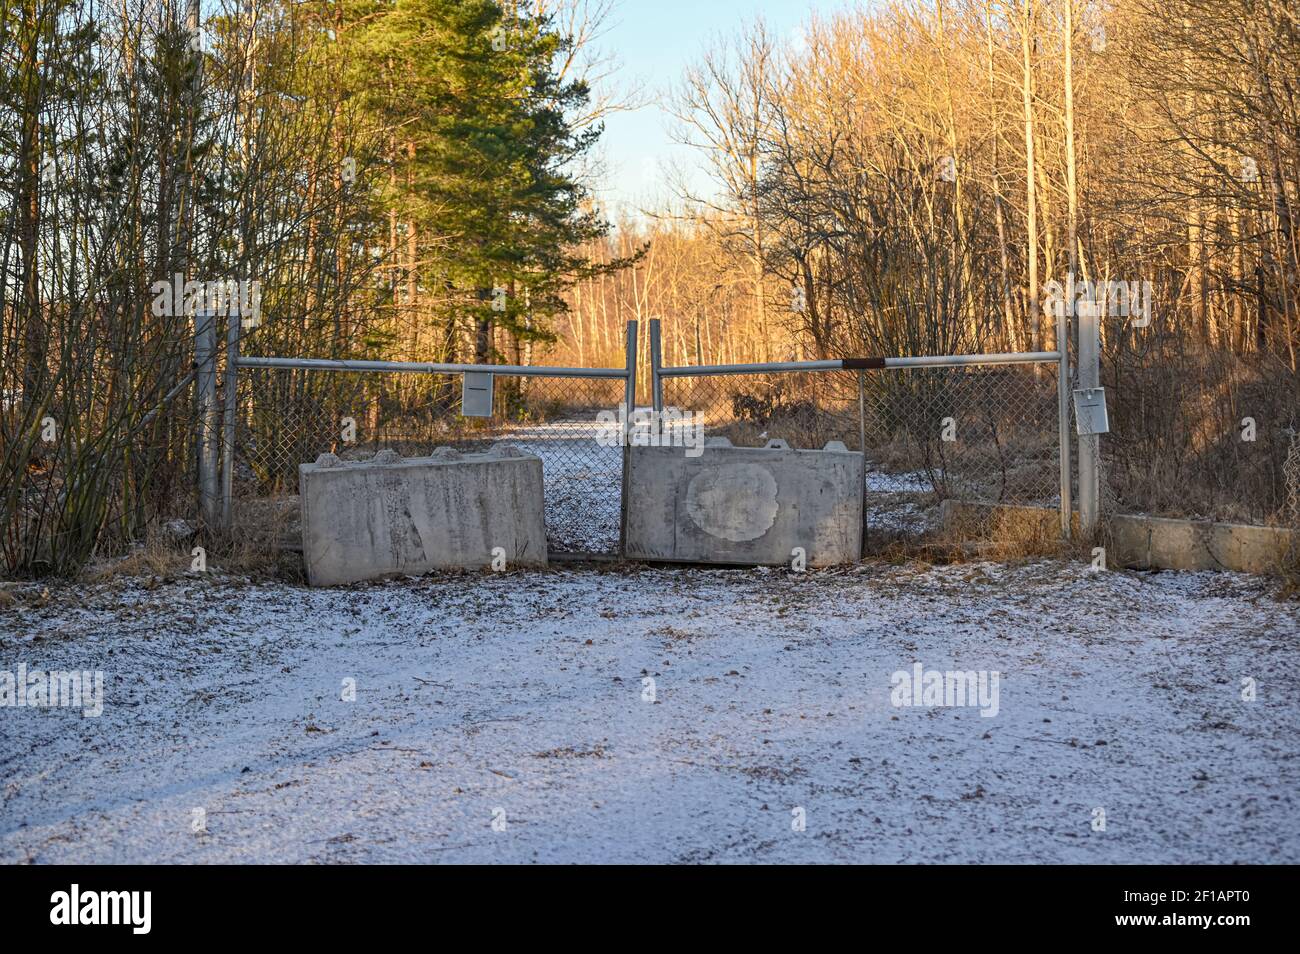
[160, 554]
[266, 540]
[1001, 533]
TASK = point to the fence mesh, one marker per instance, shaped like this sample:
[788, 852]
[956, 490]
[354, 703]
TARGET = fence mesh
[290, 416]
[974, 433]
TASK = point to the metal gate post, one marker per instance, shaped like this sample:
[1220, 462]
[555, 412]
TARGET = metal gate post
[234, 320]
[1089, 355]
[862, 446]
[1063, 416]
[656, 362]
[862, 412]
[205, 369]
[629, 404]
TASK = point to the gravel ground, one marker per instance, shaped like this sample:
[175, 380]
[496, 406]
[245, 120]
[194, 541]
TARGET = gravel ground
[521, 699]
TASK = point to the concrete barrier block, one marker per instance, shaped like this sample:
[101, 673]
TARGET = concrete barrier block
[744, 505]
[388, 515]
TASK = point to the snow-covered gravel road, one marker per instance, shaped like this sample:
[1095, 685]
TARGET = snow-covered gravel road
[521, 697]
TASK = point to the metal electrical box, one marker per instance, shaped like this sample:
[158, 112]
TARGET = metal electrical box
[476, 394]
[1090, 411]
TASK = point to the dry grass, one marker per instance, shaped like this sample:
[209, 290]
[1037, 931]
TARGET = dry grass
[266, 539]
[1289, 572]
[1176, 446]
[999, 533]
[159, 554]
[264, 543]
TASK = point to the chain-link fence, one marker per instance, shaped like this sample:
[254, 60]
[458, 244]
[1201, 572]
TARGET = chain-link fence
[287, 416]
[977, 433]
[1219, 441]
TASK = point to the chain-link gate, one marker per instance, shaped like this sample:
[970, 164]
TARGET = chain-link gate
[975, 433]
[286, 411]
[979, 428]
[290, 415]
[1206, 438]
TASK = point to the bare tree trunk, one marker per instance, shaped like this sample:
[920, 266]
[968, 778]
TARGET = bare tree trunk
[1071, 188]
[1031, 200]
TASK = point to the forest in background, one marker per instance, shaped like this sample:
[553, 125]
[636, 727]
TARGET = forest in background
[912, 175]
[399, 179]
[412, 179]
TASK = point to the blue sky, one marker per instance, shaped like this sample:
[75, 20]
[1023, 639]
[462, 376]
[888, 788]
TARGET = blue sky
[655, 40]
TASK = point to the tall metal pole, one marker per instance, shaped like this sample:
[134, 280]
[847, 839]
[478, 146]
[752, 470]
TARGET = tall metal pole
[629, 404]
[205, 360]
[656, 362]
[1089, 353]
[1072, 237]
[233, 328]
[1063, 416]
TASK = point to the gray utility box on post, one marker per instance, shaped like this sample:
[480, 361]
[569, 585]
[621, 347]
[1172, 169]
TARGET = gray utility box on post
[476, 394]
[388, 515]
[745, 505]
[1090, 411]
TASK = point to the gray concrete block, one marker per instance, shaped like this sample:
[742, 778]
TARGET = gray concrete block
[1201, 545]
[388, 515]
[744, 505]
[1141, 542]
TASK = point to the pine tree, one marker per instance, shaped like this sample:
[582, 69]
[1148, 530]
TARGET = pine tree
[483, 152]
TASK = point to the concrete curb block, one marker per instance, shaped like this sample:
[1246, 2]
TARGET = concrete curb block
[1141, 542]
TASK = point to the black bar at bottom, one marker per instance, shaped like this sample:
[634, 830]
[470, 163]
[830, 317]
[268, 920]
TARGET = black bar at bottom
[943, 905]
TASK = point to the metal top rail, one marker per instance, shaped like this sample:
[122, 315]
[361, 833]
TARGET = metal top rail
[859, 364]
[424, 367]
[543, 371]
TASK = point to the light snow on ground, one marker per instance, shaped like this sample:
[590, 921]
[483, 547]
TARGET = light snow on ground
[519, 696]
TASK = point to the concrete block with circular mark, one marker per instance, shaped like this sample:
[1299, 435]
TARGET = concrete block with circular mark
[745, 505]
[392, 515]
